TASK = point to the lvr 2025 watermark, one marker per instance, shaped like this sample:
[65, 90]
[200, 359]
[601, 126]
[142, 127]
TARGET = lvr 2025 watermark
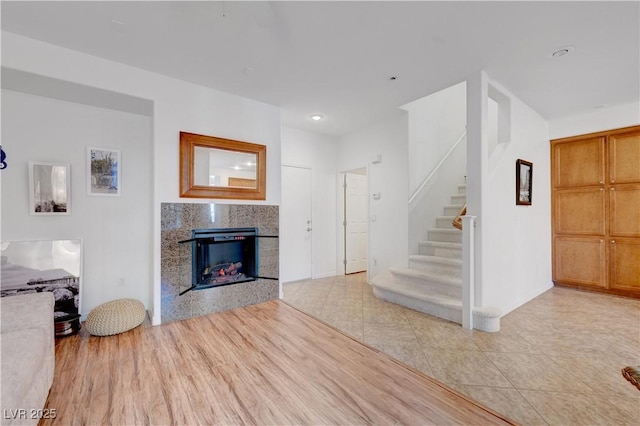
[26, 414]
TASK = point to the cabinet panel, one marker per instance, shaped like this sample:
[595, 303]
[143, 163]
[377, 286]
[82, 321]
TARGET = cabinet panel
[579, 163]
[625, 265]
[580, 211]
[624, 158]
[624, 212]
[581, 261]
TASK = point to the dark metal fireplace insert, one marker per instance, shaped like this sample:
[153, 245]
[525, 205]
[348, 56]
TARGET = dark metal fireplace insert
[224, 256]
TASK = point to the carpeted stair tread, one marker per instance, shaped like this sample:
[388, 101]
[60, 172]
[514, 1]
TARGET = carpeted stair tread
[427, 276]
[385, 282]
[441, 244]
[440, 248]
[445, 230]
[435, 259]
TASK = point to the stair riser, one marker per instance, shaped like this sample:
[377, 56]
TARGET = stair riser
[452, 211]
[427, 286]
[437, 268]
[459, 200]
[447, 237]
[454, 314]
[444, 223]
[441, 252]
[445, 312]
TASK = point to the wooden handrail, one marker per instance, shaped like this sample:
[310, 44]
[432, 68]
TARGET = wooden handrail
[457, 222]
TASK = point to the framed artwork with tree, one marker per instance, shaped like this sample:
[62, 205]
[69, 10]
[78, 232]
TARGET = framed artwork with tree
[103, 172]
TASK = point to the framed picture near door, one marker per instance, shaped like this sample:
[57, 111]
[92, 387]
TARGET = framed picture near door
[524, 182]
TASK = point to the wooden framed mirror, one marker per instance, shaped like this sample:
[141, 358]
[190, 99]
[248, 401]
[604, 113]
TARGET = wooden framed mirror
[212, 167]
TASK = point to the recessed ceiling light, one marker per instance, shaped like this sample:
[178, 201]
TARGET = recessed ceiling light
[562, 51]
[316, 117]
[393, 78]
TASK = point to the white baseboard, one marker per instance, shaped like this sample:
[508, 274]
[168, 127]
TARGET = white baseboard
[294, 281]
[154, 320]
[324, 275]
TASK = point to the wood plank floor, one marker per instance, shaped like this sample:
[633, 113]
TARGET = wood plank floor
[264, 364]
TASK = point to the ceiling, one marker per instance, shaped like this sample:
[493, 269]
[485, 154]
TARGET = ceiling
[337, 58]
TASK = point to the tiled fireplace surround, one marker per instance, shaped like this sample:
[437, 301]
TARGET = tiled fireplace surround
[177, 221]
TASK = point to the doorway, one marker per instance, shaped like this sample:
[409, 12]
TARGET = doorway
[355, 220]
[296, 230]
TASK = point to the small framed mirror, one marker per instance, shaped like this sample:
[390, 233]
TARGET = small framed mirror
[212, 167]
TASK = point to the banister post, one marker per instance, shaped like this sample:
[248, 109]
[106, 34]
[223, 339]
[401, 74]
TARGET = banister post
[468, 266]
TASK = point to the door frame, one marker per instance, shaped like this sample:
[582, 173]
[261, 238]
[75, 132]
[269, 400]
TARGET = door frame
[340, 216]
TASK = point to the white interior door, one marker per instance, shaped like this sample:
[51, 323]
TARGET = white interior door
[296, 227]
[356, 223]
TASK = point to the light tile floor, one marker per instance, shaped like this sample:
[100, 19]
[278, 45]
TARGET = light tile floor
[555, 361]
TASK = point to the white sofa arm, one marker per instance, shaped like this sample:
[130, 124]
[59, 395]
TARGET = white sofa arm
[28, 356]
[33, 310]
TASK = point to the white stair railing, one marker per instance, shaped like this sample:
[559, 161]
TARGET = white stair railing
[468, 270]
[436, 168]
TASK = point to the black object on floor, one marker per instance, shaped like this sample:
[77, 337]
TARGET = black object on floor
[67, 325]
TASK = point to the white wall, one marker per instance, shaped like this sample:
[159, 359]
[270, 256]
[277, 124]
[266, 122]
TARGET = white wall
[436, 123]
[388, 216]
[515, 243]
[116, 231]
[318, 152]
[613, 117]
[178, 106]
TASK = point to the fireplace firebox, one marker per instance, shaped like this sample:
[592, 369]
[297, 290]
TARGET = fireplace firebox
[223, 256]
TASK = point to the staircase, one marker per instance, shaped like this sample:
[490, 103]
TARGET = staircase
[433, 281]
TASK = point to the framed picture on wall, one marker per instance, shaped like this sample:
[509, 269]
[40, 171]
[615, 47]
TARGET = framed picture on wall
[49, 188]
[524, 182]
[103, 171]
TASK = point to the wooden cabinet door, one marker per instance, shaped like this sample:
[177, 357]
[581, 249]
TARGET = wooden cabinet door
[625, 265]
[580, 211]
[624, 158]
[580, 261]
[579, 163]
[624, 211]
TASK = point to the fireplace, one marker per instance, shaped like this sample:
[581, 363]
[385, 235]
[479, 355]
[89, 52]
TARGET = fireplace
[223, 257]
[211, 222]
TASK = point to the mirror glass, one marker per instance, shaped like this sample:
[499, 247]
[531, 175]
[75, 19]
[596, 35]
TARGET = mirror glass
[212, 167]
[219, 167]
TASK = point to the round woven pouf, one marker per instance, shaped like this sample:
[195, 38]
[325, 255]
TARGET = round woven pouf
[115, 317]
